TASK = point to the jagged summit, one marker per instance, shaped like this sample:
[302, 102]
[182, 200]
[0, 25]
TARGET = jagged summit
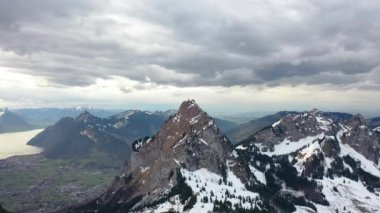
[188, 140]
[190, 108]
[292, 131]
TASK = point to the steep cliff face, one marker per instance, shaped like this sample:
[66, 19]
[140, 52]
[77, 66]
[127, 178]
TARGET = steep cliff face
[189, 144]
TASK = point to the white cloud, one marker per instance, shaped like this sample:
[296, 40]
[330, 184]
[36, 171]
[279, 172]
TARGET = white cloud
[265, 54]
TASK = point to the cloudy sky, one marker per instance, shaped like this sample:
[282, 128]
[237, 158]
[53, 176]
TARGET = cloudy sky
[231, 56]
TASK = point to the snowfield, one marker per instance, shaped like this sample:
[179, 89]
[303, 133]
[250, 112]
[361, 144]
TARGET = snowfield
[258, 174]
[350, 196]
[210, 181]
[208, 184]
[287, 146]
[365, 164]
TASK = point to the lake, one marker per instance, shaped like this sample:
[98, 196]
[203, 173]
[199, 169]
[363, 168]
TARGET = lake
[15, 143]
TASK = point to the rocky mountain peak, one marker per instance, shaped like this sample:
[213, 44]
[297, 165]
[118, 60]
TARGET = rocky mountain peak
[189, 139]
[86, 117]
[189, 108]
[189, 128]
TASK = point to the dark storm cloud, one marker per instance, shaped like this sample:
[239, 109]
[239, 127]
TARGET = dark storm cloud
[72, 43]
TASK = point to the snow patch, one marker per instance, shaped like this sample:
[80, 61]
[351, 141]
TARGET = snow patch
[177, 162]
[180, 142]
[173, 204]
[277, 123]
[194, 119]
[205, 183]
[203, 141]
[241, 147]
[324, 124]
[234, 154]
[176, 118]
[350, 196]
[287, 146]
[308, 151]
[259, 175]
[144, 169]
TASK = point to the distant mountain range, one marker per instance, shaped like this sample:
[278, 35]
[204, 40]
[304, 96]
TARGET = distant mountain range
[86, 134]
[181, 160]
[43, 117]
[11, 122]
[303, 162]
[80, 137]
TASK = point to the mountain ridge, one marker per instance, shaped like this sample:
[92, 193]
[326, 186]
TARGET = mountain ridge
[188, 144]
[301, 162]
[11, 122]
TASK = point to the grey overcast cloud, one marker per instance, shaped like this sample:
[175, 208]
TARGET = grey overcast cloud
[231, 56]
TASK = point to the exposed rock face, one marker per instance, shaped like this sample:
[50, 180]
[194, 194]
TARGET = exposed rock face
[189, 139]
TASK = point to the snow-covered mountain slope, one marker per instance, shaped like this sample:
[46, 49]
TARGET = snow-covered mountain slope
[243, 131]
[313, 161]
[303, 162]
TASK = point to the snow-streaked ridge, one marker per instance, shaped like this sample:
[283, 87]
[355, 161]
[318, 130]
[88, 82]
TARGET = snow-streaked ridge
[287, 146]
